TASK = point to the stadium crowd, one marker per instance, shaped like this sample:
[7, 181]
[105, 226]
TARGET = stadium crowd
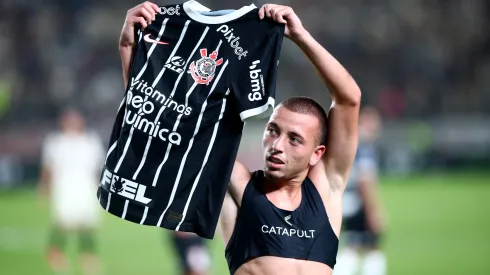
[412, 59]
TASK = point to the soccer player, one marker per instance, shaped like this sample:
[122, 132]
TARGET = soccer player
[71, 163]
[289, 214]
[362, 212]
[192, 252]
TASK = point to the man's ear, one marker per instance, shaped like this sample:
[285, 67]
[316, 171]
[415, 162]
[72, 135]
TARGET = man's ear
[317, 154]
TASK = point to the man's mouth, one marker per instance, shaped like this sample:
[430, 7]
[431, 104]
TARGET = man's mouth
[275, 160]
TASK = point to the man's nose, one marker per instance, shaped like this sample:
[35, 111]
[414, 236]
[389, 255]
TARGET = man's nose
[278, 144]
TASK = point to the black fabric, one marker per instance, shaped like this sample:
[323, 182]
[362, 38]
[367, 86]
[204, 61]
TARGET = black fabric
[262, 229]
[177, 131]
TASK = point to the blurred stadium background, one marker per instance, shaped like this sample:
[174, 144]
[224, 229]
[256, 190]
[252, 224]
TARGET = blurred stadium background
[424, 64]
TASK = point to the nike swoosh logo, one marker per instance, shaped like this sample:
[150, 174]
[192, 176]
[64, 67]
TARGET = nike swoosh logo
[151, 40]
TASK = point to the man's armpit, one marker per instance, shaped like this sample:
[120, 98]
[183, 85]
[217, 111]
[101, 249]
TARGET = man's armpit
[337, 182]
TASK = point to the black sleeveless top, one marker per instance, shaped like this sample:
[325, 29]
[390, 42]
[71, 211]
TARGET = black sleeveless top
[262, 229]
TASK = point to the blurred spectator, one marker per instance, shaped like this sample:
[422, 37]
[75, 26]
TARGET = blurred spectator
[414, 60]
[71, 161]
[193, 254]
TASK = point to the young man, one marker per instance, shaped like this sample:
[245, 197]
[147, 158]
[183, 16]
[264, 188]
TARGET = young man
[71, 161]
[363, 215]
[289, 215]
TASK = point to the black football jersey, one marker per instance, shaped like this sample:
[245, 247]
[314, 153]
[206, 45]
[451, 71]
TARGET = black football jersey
[196, 77]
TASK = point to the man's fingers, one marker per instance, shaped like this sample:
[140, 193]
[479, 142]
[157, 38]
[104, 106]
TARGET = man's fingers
[261, 13]
[150, 7]
[141, 21]
[267, 10]
[272, 11]
[287, 11]
[154, 7]
[275, 12]
[149, 15]
[279, 15]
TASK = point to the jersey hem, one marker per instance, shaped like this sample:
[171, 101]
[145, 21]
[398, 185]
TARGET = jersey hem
[130, 216]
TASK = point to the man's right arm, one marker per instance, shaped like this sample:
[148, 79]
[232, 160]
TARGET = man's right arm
[143, 14]
[227, 217]
[233, 200]
[238, 181]
[126, 57]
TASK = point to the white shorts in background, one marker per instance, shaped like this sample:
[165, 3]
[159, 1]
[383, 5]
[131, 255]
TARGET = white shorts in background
[81, 212]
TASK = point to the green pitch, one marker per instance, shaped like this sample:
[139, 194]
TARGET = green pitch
[438, 224]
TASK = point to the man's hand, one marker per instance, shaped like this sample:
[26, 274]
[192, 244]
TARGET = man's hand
[284, 15]
[142, 14]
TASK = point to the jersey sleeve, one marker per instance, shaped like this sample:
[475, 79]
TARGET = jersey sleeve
[254, 86]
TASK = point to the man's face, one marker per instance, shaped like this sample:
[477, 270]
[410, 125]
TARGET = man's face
[290, 143]
[72, 121]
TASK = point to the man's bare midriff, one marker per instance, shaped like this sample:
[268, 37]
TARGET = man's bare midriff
[269, 265]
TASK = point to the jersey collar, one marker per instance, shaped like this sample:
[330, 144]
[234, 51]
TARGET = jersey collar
[193, 9]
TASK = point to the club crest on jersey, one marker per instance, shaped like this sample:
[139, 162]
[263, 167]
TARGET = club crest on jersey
[203, 69]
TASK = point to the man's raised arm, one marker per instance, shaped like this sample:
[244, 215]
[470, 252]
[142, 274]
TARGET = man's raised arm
[238, 181]
[143, 14]
[343, 116]
[233, 199]
[346, 96]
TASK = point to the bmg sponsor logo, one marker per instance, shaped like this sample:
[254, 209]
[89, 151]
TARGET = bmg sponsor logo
[256, 82]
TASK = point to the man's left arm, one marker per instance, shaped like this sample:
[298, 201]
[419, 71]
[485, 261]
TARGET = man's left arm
[342, 134]
[227, 218]
[346, 96]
